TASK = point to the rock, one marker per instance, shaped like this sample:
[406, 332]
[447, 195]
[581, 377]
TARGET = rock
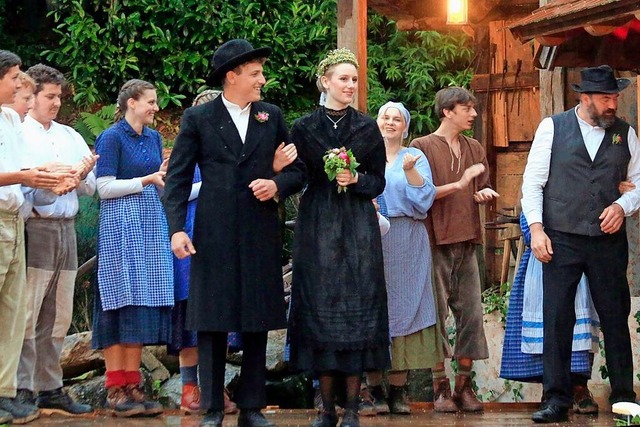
[156, 369]
[170, 361]
[77, 357]
[275, 363]
[170, 392]
[293, 391]
[231, 376]
[275, 351]
[90, 392]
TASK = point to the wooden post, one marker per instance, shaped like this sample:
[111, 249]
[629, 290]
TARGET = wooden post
[551, 89]
[352, 34]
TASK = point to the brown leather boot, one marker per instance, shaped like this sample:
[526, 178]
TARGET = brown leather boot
[583, 401]
[464, 395]
[120, 404]
[151, 407]
[398, 400]
[442, 400]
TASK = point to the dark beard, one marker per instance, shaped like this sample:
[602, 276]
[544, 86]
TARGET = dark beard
[602, 121]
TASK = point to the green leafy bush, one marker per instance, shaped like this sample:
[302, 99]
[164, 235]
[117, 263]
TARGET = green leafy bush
[170, 43]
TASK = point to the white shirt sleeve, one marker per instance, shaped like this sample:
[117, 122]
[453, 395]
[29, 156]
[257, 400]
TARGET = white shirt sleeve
[109, 187]
[195, 191]
[536, 172]
[87, 187]
[630, 201]
[384, 224]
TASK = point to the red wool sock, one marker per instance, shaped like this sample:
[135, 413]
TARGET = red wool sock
[132, 377]
[115, 379]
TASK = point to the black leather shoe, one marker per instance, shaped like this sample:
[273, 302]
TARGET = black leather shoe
[551, 414]
[253, 418]
[326, 419]
[212, 419]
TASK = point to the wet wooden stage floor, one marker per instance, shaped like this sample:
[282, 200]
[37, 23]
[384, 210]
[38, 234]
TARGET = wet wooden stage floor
[495, 415]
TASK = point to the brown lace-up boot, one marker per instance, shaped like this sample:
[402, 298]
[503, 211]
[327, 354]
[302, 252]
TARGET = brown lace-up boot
[120, 404]
[464, 395]
[583, 402]
[442, 400]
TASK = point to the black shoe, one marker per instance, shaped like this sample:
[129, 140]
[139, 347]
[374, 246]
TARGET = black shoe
[326, 419]
[253, 418]
[21, 414]
[551, 414]
[5, 417]
[25, 397]
[212, 419]
[59, 402]
[350, 419]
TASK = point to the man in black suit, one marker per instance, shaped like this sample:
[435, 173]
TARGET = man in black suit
[236, 276]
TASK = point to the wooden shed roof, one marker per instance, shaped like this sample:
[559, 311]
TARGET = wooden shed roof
[560, 20]
[431, 14]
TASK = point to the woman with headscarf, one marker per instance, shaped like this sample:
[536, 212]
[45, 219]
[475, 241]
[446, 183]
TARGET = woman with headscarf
[409, 193]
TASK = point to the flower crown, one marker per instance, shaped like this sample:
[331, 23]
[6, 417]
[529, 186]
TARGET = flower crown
[336, 56]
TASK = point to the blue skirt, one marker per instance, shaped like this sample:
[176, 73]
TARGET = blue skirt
[519, 366]
[129, 325]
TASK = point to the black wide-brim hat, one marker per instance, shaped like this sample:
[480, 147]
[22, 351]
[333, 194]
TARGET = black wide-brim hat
[231, 54]
[600, 80]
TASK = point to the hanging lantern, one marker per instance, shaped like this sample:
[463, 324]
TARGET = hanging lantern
[457, 11]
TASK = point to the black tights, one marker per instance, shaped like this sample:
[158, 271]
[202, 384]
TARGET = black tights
[328, 382]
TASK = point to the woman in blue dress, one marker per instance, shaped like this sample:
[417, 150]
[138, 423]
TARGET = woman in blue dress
[409, 193]
[135, 291]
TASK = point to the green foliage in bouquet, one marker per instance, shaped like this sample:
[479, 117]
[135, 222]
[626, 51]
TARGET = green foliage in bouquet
[336, 160]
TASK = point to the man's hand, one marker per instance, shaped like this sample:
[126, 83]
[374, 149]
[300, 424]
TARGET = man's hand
[612, 217]
[345, 178]
[41, 177]
[263, 189]
[67, 185]
[469, 174]
[284, 156]
[625, 186]
[87, 165]
[485, 195]
[540, 243]
[181, 245]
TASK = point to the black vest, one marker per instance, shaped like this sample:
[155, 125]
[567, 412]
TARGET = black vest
[579, 189]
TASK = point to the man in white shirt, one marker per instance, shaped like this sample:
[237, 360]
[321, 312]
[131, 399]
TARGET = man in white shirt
[12, 257]
[52, 252]
[572, 202]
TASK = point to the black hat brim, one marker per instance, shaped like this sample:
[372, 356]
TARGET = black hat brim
[591, 88]
[215, 78]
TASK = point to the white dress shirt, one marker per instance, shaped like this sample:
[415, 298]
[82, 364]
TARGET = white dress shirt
[11, 143]
[62, 144]
[240, 116]
[536, 172]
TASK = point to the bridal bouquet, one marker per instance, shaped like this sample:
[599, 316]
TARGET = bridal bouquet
[336, 160]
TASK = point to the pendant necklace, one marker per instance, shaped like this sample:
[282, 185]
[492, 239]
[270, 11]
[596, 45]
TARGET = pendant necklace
[335, 122]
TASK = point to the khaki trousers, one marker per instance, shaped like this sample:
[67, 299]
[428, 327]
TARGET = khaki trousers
[12, 301]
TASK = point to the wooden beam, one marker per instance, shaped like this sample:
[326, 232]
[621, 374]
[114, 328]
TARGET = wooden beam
[352, 34]
[510, 81]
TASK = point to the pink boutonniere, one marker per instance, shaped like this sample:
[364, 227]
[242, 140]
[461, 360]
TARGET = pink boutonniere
[262, 116]
[617, 139]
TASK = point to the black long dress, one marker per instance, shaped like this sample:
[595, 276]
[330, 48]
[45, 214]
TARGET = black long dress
[338, 319]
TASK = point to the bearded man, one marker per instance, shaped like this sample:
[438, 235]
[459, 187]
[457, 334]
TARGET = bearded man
[576, 214]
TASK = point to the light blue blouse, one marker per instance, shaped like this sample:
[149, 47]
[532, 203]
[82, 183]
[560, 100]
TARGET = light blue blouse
[404, 199]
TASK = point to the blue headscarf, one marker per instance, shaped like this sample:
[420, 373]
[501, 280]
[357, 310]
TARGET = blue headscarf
[403, 111]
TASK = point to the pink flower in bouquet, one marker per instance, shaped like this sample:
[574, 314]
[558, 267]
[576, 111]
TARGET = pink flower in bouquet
[344, 156]
[336, 160]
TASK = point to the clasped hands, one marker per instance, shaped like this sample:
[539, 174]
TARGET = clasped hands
[61, 178]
